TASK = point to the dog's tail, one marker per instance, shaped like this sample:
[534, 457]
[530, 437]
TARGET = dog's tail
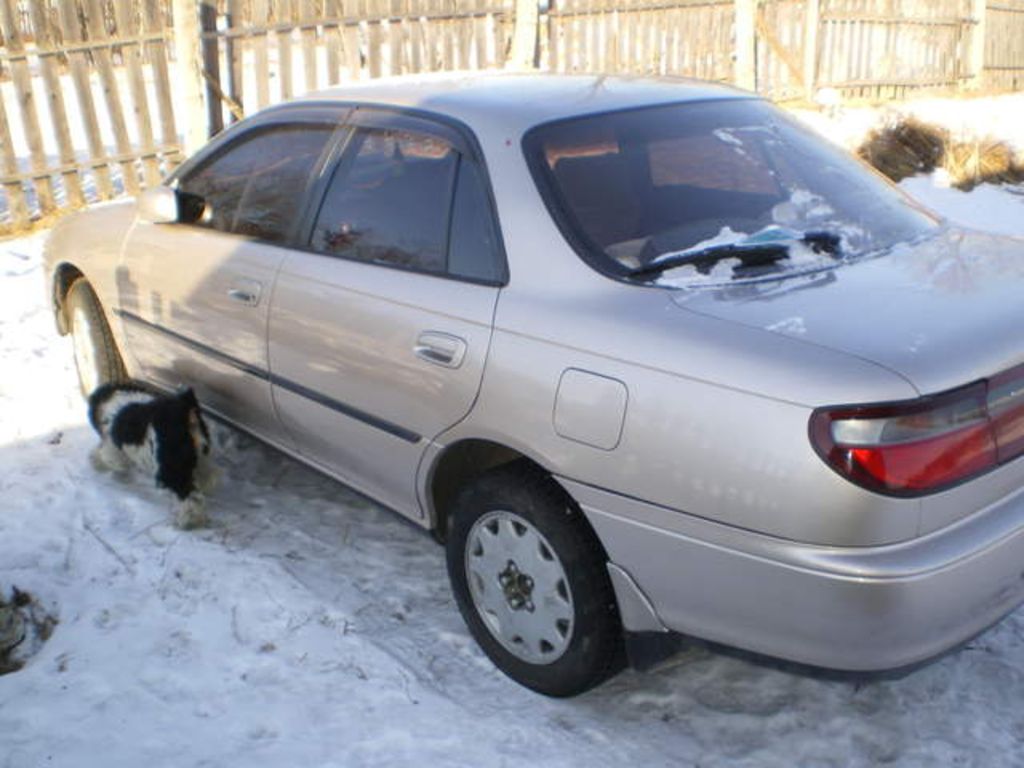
[104, 392]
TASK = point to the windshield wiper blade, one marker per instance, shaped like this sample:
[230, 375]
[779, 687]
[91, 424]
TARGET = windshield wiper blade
[750, 254]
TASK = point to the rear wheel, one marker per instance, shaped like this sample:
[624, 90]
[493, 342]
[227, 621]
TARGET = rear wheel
[96, 357]
[530, 579]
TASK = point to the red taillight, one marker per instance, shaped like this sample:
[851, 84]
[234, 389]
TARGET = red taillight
[922, 446]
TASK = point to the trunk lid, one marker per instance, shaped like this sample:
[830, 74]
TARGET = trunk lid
[940, 313]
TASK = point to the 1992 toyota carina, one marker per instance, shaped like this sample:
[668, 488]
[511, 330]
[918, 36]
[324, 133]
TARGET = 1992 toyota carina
[646, 355]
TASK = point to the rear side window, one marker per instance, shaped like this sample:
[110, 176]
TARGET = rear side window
[633, 187]
[706, 161]
[389, 201]
[255, 186]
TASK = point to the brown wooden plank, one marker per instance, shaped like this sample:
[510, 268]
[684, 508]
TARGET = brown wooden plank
[784, 54]
[22, 80]
[333, 41]
[498, 24]
[430, 55]
[463, 31]
[154, 20]
[554, 39]
[581, 35]
[640, 44]
[210, 45]
[351, 38]
[307, 17]
[260, 20]
[111, 95]
[410, 20]
[286, 22]
[17, 205]
[55, 98]
[447, 31]
[376, 38]
[396, 54]
[127, 23]
[479, 35]
[235, 49]
[78, 64]
[416, 39]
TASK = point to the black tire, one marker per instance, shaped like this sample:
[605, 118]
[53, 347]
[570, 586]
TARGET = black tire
[96, 357]
[594, 649]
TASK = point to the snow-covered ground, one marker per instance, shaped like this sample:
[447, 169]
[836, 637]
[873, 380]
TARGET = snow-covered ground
[999, 118]
[310, 627]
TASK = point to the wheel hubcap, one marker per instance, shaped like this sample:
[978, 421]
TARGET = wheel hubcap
[519, 587]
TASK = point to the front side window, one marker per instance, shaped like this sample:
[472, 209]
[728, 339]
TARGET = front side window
[656, 186]
[389, 201]
[255, 187]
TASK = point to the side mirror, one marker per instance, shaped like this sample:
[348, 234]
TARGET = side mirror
[158, 205]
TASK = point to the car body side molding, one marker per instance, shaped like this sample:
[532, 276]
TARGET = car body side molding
[328, 402]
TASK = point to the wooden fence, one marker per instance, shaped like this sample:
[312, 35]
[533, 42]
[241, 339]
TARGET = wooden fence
[865, 48]
[692, 37]
[1004, 45]
[885, 49]
[86, 107]
[259, 51]
[105, 101]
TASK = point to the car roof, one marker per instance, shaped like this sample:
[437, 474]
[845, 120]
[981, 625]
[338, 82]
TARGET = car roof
[517, 101]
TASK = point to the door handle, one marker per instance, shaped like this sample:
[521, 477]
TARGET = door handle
[440, 349]
[247, 292]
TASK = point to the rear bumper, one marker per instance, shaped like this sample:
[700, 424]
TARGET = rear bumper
[851, 608]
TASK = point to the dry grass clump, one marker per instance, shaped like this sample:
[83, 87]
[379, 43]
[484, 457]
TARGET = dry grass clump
[904, 148]
[909, 146]
[970, 163]
[24, 626]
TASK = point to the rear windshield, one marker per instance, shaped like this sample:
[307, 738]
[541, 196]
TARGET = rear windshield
[634, 187]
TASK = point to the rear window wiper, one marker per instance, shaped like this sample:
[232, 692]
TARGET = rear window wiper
[750, 254]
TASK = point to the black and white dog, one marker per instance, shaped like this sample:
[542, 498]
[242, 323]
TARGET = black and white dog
[162, 435]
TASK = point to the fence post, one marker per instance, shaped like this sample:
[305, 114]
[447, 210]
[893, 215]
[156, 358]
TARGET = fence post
[189, 79]
[525, 36]
[976, 60]
[812, 21]
[210, 63]
[745, 56]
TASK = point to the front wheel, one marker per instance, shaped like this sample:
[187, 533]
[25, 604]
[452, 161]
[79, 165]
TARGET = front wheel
[530, 580]
[96, 357]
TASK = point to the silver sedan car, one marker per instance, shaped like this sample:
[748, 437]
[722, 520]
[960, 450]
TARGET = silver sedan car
[646, 355]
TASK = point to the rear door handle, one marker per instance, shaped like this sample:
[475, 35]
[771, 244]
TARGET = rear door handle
[440, 349]
[246, 291]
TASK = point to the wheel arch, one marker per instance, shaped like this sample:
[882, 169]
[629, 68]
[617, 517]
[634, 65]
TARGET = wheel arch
[64, 275]
[458, 464]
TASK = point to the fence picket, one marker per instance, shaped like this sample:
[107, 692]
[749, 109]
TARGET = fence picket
[153, 22]
[308, 15]
[333, 41]
[55, 97]
[22, 80]
[127, 24]
[13, 189]
[112, 97]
